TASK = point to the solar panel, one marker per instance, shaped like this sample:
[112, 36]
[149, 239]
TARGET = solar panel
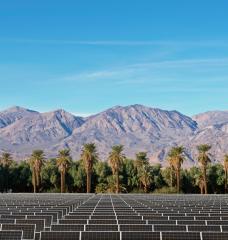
[131, 221]
[193, 222]
[200, 228]
[38, 222]
[220, 222]
[53, 214]
[102, 221]
[168, 228]
[136, 228]
[102, 227]
[10, 235]
[13, 216]
[162, 222]
[129, 217]
[73, 221]
[104, 217]
[37, 236]
[28, 229]
[140, 235]
[207, 218]
[47, 219]
[224, 228]
[159, 218]
[5, 220]
[214, 236]
[181, 236]
[103, 213]
[181, 218]
[100, 236]
[75, 217]
[67, 227]
[60, 235]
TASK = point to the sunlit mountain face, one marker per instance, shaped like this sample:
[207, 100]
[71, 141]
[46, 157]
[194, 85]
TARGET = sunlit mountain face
[137, 127]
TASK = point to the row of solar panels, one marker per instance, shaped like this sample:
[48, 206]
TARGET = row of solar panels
[17, 235]
[29, 229]
[46, 221]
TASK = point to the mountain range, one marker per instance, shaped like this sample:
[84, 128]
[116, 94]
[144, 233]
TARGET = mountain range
[137, 127]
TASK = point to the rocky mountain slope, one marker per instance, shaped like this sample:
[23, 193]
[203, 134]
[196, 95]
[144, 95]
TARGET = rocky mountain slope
[211, 118]
[137, 127]
[13, 114]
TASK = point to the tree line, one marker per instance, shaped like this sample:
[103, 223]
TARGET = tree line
[118, 174]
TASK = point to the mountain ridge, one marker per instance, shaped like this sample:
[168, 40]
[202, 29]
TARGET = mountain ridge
[137, 127]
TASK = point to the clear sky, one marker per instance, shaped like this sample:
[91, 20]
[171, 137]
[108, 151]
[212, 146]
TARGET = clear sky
[89, 55]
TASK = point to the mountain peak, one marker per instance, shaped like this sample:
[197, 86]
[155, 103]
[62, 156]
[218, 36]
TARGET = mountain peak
[60, 110]
[117, 108]
[13, 114]
[17, 109]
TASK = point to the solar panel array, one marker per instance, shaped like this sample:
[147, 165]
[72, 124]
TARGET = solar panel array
[113, 217]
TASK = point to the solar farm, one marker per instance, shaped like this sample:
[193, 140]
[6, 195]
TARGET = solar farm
[113, 217]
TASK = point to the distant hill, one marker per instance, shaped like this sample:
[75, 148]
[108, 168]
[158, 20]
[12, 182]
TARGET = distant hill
[137, 127]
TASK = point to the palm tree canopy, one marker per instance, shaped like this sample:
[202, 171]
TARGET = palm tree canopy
[141, 159]
[116, 157]
[6, 159]
[203, 148]
[63, 160]
[203, 157]
[176, 157]
[37, 159]
[89, 155]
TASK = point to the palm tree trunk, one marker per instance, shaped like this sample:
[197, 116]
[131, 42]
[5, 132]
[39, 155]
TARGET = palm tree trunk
[62, 182]
[5, 174]
[37, 180]
[34, 180]
[225, 180]
[88, 182]
[201, 189]
[117, 183]
[205, 179]
[7, 179]
[171, 178]
[145, 188]
[178, 180]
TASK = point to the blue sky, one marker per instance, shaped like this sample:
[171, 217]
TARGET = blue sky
[86, 56]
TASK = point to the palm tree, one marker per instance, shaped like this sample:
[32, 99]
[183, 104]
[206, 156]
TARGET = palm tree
[63, 163]
[170, 161]
[89, 156]
[145, 177]
[200, 183]
[176, 158]
[116, 158]
[140, 162]
[204, 159]
[141, 159]
[36, 162]
[226, 170]
[6, 159]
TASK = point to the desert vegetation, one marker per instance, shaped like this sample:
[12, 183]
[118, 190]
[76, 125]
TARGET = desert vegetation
[117, 174]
